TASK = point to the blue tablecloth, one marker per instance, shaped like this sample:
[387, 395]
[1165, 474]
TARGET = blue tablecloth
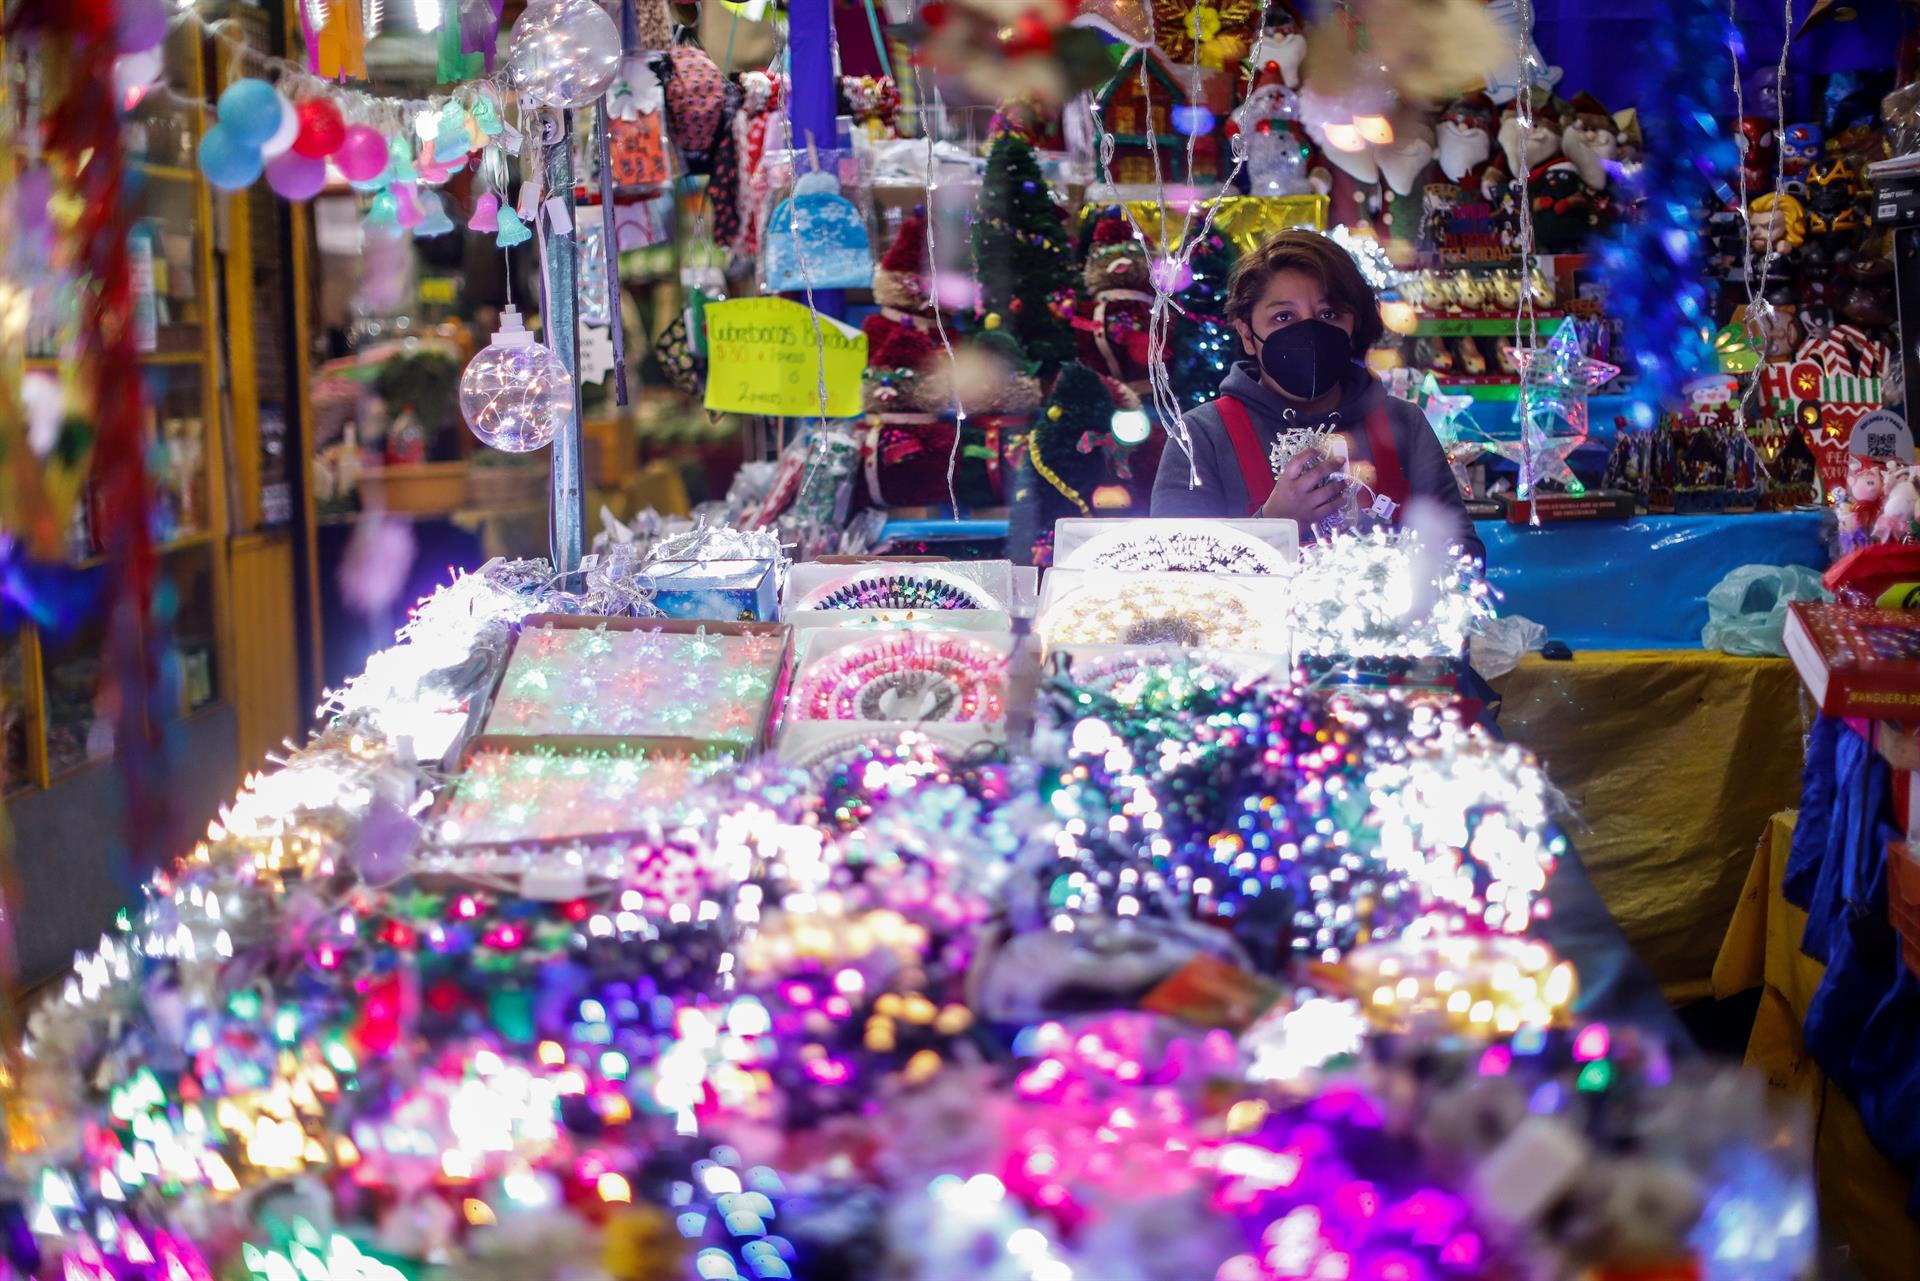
[1641, 584]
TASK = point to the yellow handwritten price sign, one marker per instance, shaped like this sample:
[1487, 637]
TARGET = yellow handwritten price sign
[763, 357]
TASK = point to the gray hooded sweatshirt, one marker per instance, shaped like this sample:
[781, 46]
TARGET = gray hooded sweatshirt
[1222, 490]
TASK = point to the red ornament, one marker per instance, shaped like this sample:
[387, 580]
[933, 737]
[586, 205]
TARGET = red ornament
[1014, 306]
[322, 129]
[1273, 68]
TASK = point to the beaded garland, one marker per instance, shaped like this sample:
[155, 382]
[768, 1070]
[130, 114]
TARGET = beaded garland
[906, 677]
[1154, 612]
[900, 589]
[1218, 550]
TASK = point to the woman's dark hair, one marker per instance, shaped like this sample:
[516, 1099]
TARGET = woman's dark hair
[1324, 260]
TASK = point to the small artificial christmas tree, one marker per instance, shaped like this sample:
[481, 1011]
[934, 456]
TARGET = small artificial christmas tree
[1022, 253]
[1202, 344]
[1075, 464]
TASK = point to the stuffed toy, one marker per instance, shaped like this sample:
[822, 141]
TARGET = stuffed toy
[1112, 315]
[1463, 138]
[1562, 201]
[903, 342]
[1594, 140]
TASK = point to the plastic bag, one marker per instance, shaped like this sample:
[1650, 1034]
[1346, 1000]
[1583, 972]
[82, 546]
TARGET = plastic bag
[1497, 644]
[1747, 609]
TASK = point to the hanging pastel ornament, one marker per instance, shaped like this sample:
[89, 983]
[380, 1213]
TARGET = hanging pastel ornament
[564, 53]
[228, 163]
[452, 141]
[289, 129]
[816, 239]
[516, 394]
[431, 172]
[400, 161]
[511, 231]
[382, 216]
[486, 214]
[486, 121]
[250, 112]
[140, 25]
[433, 216]
[406, 205]
[322, 128]
[362, 154]
[296, 177]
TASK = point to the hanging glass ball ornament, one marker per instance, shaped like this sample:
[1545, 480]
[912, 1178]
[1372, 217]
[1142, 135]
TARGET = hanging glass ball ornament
[516, 394]
[564, 53]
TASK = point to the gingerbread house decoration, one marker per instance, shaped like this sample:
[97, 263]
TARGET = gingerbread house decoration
[1161, 110]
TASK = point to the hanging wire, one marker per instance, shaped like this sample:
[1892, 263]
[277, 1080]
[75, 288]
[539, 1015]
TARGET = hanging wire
[1526, 324]
[933, 297]
[1758, 308]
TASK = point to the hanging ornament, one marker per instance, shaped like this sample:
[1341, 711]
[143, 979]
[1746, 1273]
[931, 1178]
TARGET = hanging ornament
[564, 53]
[433, 216]
[250, 112]
[452, 140]
[362, 154]
[382, 216]
[228, 162]
[1558, 378]
[296, 177]
[406, 205]
[400, 161]
[512, 231]
[816, 239]
[322, 129]
[486, 214]
[516, 394]
[282, 139]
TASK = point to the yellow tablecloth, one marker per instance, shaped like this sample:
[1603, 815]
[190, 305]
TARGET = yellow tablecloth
[1675, 759]
[1862, 1196]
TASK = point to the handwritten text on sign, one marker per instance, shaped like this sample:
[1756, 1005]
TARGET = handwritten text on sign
[763, 357]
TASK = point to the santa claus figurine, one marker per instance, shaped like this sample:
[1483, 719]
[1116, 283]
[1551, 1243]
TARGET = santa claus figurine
[1113, 315]
[1561, 200]
[1463, 138]
[902, 338]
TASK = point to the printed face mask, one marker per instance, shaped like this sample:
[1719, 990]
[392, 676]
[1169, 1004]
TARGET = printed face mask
[1307, 358]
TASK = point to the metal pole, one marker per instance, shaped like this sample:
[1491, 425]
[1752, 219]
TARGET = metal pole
[567, 517]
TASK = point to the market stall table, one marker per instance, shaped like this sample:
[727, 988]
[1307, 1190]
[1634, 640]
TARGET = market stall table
[1673, 759]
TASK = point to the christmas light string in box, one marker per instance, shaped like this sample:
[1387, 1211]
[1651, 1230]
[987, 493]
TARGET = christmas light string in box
[1105, 608]
[1209, 548]
[870, 589]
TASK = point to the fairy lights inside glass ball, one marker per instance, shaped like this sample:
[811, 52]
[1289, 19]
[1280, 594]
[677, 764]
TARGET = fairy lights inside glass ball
[516, 394]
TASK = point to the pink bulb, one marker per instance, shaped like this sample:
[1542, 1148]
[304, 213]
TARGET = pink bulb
[362, 154]
[486, 214]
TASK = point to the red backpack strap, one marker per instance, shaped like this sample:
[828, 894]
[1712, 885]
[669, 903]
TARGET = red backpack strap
[1254, 467]
[1389, 479]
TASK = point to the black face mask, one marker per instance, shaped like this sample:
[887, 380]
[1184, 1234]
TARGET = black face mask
[1307, 358]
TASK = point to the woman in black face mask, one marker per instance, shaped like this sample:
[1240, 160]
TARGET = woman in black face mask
[1306, 317]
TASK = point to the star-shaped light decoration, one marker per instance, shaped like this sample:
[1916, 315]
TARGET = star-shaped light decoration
[1557, 379]
[1447, 415]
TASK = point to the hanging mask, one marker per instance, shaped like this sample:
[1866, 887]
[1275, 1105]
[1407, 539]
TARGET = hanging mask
[1307, 358]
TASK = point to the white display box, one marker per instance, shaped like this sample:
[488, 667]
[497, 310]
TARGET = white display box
[1168, 545]
[1207, 611]
[980, 584]
[912, 678]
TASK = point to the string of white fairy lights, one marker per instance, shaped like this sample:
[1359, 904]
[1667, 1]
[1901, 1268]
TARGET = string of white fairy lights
[1174, 255]
[1758, 308]
[1526, 324]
